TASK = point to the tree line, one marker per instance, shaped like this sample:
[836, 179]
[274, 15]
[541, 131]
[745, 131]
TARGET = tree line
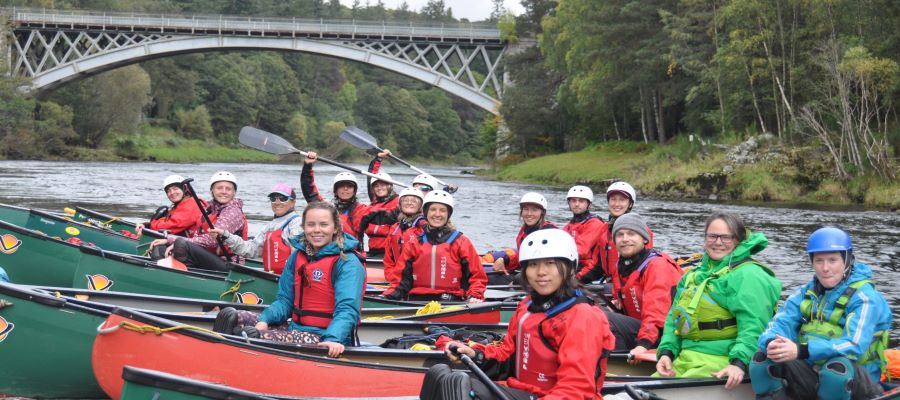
[820, 72]
[208, 96]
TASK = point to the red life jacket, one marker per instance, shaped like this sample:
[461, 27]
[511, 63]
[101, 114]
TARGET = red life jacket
[631, 292]
[378, 234]
[396, 237]
[437, 267]
[537, 362]
[275, 251]
[314, 291]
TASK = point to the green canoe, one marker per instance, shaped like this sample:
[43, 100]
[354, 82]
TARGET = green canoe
[43, 337]
[116, 224]
[34, 258]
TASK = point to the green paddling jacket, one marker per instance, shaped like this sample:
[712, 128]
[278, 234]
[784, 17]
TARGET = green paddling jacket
[738, 299]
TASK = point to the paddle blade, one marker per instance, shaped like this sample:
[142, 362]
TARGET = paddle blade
[359, 138]
[171, 262]
[266, 141]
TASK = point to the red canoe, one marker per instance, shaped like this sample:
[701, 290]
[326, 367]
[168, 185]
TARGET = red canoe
[204, 356]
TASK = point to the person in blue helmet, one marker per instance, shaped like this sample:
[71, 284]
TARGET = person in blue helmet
[828, 339]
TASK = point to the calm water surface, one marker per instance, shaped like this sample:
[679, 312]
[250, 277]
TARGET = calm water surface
[486, 210]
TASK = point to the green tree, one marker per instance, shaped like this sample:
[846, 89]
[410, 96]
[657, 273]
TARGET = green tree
[114, 100]
[194, 124]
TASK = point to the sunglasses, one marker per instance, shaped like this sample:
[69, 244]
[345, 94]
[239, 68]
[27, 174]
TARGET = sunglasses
[275, 197]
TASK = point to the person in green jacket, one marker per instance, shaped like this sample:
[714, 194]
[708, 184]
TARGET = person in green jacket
[721, 306]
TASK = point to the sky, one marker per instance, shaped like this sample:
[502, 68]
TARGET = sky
[474, 10]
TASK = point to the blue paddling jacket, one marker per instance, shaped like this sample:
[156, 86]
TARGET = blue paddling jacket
[349, 278]
[815, 316]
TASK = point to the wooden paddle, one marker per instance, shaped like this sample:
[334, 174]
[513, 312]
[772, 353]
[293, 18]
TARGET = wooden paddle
[491, 385]
[363, 140]
[274, 144]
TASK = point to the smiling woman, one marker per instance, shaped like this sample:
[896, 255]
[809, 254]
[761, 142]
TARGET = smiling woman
[272, 242]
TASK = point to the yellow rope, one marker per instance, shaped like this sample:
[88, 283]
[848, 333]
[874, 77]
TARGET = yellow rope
[235, 288]
[159, 331]
[114, 219]
[381, 318]
[421, 347]
[435, 307]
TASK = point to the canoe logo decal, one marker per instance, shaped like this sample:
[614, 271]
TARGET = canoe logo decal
[5, 328]
[248, 298]
[99, 282]
[9, 244]
[72, 230]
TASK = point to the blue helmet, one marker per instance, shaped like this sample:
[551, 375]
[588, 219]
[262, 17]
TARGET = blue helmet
[829, 240]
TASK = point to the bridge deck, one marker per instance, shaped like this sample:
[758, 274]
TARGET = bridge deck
[259, 27]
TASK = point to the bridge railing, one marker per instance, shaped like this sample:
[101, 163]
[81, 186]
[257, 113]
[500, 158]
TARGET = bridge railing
[236, 24]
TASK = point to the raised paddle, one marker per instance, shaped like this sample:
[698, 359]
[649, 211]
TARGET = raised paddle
[361, 139]
[491, 385]
[187, 185]
[273, 144]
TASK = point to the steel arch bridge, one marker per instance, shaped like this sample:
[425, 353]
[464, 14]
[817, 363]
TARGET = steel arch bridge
[53, 47]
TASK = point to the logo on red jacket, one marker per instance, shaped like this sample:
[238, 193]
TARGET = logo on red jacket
[5, 328]
[248, 298]
[317, 275]
[9, 244]
[99, 282]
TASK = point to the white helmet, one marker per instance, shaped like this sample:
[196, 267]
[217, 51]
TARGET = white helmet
[425, 179]
[440, 197]
[384, 177]
[223, 176]
[624, 188]
[534, 198]
[172, 180]
[345, 177]
[581, 192]
[411, 191]
[548, 243]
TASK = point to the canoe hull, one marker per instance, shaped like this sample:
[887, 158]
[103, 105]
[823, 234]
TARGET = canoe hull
[260, 370]
[46, 350]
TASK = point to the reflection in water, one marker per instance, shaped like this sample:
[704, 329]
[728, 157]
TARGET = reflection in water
[486, 211]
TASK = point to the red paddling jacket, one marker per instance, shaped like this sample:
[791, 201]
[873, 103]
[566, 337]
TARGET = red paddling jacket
[351, 213]
[645, 286]
[182, 218]
[377, 228]
[437, 262]
[559, 353]
[586, 229]
[400, 233]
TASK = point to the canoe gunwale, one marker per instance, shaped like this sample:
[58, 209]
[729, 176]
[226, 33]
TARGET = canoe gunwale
[163, 380]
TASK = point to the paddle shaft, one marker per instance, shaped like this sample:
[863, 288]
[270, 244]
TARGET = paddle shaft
[363, 138]
[349, 168]
[480, 374]
[187, 184]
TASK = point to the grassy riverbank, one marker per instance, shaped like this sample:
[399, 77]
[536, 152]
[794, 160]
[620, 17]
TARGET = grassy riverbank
[690, 171]
[161, 144]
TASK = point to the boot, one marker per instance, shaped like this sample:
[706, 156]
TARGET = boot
[433, 378]
[226, 321]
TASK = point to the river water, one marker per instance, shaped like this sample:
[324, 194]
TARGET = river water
[485, 210]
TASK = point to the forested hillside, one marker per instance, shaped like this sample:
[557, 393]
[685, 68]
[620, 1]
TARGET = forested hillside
[812, 73]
